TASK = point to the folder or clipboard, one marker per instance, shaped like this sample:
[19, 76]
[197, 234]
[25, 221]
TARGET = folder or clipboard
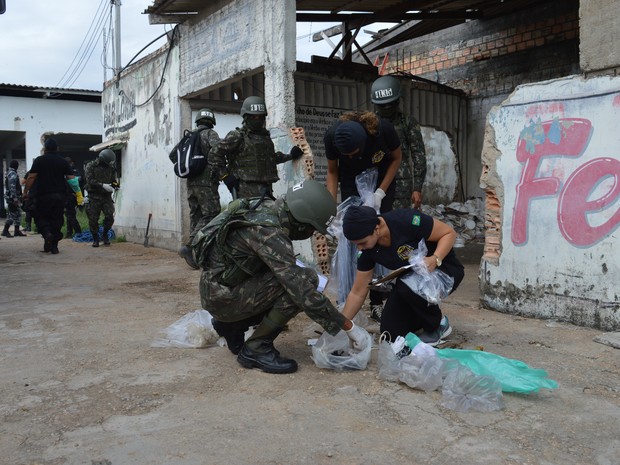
[390, 276]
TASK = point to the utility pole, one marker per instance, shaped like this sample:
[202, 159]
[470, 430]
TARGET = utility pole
[117, 36]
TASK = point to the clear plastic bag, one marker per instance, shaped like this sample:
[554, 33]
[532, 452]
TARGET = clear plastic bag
[336, 352]
[432, 286]
[388, 362]
[463, 391]
[366, 183]
[192, 331]
[422, 368]
[343, 264]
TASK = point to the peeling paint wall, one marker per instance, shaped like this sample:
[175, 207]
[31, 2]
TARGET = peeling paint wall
[552, 177]
[441, 169]
[143, 110]
[243, 37]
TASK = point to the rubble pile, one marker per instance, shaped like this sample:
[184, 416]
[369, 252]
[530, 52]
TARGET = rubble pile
[467, 219]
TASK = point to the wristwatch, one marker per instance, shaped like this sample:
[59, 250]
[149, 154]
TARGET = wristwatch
[437, 260]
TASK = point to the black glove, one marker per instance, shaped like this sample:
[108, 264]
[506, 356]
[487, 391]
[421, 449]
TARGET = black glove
[296, 152]
[232, 183]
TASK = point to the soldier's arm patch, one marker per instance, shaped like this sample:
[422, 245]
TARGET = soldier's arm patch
[415, 220]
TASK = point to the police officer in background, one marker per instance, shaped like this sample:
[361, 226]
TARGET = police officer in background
[385, 93]
[246, 158]
[251, 277]
[101, 182]
[73, 225]
[202, 194]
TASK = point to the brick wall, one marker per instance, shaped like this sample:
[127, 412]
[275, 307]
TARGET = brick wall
[491, 57]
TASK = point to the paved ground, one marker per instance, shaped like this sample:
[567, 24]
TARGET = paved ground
[81, 385]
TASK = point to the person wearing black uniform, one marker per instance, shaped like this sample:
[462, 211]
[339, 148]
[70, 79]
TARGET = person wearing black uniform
[357, 142]
[51, 173]
[389, 239]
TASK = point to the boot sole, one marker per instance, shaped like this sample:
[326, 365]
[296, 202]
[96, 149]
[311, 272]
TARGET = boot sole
[245, 363]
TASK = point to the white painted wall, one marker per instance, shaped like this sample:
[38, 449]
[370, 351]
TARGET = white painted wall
[441, 180]
[36, 116]
[148, 121]
[554, 160]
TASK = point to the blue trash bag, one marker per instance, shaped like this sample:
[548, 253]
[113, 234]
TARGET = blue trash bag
[86, 236]
[514, 375]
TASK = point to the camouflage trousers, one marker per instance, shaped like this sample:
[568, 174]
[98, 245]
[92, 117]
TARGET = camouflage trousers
[94, 208]
[253, 189]
[257, 295]
[14, 215]
[402, 193]
[204, 205]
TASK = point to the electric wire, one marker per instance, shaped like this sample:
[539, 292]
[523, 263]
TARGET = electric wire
[92, 29]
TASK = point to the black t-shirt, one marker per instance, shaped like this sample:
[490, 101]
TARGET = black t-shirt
[377, 153]
[407, 227]
[51, 170]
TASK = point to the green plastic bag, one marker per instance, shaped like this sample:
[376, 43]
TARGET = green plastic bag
[514, 375]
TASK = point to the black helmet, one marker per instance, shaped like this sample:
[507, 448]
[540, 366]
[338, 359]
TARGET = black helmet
[311, 203]
[384, 90]
[107, 156]
[207, 115]
[254, 106]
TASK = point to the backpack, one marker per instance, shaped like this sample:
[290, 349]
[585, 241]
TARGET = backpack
[187, 156]
[238, 214]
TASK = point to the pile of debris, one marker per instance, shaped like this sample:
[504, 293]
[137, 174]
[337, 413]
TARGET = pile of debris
[467, 219]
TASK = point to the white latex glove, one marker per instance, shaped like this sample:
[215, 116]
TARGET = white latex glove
[379, 195]
[357, 336]
[109, 188]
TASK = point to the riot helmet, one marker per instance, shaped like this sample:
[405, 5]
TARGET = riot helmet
[385, 89]
[107, 156]
[309, 202]
[206, 116]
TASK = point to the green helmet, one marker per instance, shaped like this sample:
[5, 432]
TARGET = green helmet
[254, 106]
[107, 156]
[206, 115]
[384, 90]
[311, 203]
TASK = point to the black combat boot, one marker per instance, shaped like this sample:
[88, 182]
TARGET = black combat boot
[5, 231]
[106, 239]
[234, 332]
[95, 235]
[186, 253]
[48, 242]
[17, 232]
[259, 352]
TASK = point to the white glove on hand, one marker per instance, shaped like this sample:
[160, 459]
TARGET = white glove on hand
[357, 336]
[109, 188]
[379, 195]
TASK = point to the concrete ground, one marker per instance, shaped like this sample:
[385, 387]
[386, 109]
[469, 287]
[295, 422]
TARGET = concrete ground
[81, 385]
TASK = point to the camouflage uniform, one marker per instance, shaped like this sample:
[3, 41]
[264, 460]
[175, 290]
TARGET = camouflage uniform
[253, 270]
[202, 190]
[98, 173]
[412, 172]
[13, 196]
[251, 157]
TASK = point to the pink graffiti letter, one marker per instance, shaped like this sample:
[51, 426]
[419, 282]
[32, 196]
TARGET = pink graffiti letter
[570, 142]
[574, 204]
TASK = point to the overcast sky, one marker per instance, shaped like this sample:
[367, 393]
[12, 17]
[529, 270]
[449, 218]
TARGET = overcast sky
[59, 43]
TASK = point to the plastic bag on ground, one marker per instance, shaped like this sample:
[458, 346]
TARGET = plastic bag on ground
[463, 391]
[192, 331]
[336, 352]
[388, 362]
[422, 368]
[432, 286]
[514, 375]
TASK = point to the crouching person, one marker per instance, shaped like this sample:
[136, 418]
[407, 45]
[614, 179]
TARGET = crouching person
[250, 274]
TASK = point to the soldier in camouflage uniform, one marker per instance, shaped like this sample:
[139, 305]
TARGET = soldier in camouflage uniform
[246, 158]
[13, 196]
[409, 180]
[101, 182]
[202, 190]
[250, 274]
